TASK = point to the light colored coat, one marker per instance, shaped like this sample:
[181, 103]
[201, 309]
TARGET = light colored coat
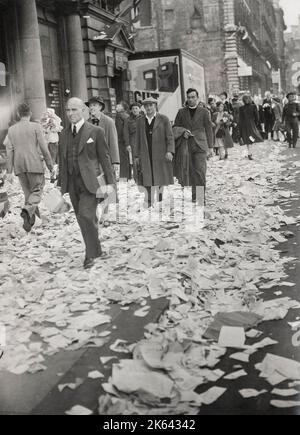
[111, 136]
[25, 145]
[162, 143]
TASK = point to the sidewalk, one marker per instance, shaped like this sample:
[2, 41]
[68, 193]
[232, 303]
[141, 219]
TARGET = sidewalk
[158, 265]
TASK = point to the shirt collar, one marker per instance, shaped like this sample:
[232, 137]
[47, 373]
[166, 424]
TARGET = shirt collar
[152, 117]
[79, 125]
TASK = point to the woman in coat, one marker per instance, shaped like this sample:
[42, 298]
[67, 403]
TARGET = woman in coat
[123, 140]
[221, 123]
[155, 148]
[248, 125]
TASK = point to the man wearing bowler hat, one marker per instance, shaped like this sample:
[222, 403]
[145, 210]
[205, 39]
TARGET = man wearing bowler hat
[155, 147]
[96, 106]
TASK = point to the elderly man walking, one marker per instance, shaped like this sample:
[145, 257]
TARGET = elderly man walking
[25, 145]
[83, 152]
[154, 151]
[194, 124]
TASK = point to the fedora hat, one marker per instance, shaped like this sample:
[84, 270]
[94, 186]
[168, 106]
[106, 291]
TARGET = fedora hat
[96, 100]
[150, 100]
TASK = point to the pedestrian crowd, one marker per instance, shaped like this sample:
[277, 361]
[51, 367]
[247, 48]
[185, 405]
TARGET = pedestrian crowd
[89, 156]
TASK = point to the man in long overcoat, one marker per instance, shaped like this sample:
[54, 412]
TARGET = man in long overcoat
[197, 125]
[155, 148]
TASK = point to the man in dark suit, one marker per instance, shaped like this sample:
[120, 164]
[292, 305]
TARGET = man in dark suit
[84, 155]
[198, 131]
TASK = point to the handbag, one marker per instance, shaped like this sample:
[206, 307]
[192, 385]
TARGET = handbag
[220, 133]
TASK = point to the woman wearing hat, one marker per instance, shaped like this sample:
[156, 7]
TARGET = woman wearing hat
[155, 147]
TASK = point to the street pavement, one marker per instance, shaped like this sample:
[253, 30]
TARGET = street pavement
[38, 393]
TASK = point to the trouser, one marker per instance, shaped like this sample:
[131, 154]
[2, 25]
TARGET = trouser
[85, 207]
[150, 194]
[198, 169]
[269, 124]
[292, 129]
[32, 185]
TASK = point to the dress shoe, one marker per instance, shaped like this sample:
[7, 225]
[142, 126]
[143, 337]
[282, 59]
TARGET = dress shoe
[89, 263]
[37, 213]
[32, 220]
[27, 221]
[250, 157]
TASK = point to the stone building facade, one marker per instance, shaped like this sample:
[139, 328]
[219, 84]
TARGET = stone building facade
[234, 38]
[53, 49]
[292, 40]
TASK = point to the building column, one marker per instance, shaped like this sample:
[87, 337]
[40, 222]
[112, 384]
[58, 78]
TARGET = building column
[231, 53]
[76, 57]
[32, 63]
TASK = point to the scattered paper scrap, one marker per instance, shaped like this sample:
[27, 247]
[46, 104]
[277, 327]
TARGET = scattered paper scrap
[232, 337]
[236, 375]
[95, 375]
[250, 393]
[285, 404]
[79, 410]
[285, 393]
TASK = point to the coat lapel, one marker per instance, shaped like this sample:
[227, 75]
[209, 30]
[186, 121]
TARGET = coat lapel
[84, 136]
[157, 122]
[197, 117]
[144, 130]
[188, 118]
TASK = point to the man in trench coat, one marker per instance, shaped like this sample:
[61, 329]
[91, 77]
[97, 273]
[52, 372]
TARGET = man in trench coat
[155, 147]
[197, 129]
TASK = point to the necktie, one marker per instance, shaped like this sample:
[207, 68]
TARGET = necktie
[95, 121]
[74, 131]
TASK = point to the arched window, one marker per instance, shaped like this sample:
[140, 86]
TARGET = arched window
[2, 74]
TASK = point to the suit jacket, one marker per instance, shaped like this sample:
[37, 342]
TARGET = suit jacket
[93, 158]
[25, 145]
[200, 126]
[162, 143]
[111, 136]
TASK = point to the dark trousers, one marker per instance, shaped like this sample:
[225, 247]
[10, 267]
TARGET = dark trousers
[198, 169]
[292, 129]
[150, 194]
[85, 206]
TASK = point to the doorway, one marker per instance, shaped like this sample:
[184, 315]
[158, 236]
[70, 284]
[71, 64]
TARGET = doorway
[117, 85]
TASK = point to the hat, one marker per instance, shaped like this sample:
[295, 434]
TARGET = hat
[97, 100]
[150, 100]
[290, 93]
